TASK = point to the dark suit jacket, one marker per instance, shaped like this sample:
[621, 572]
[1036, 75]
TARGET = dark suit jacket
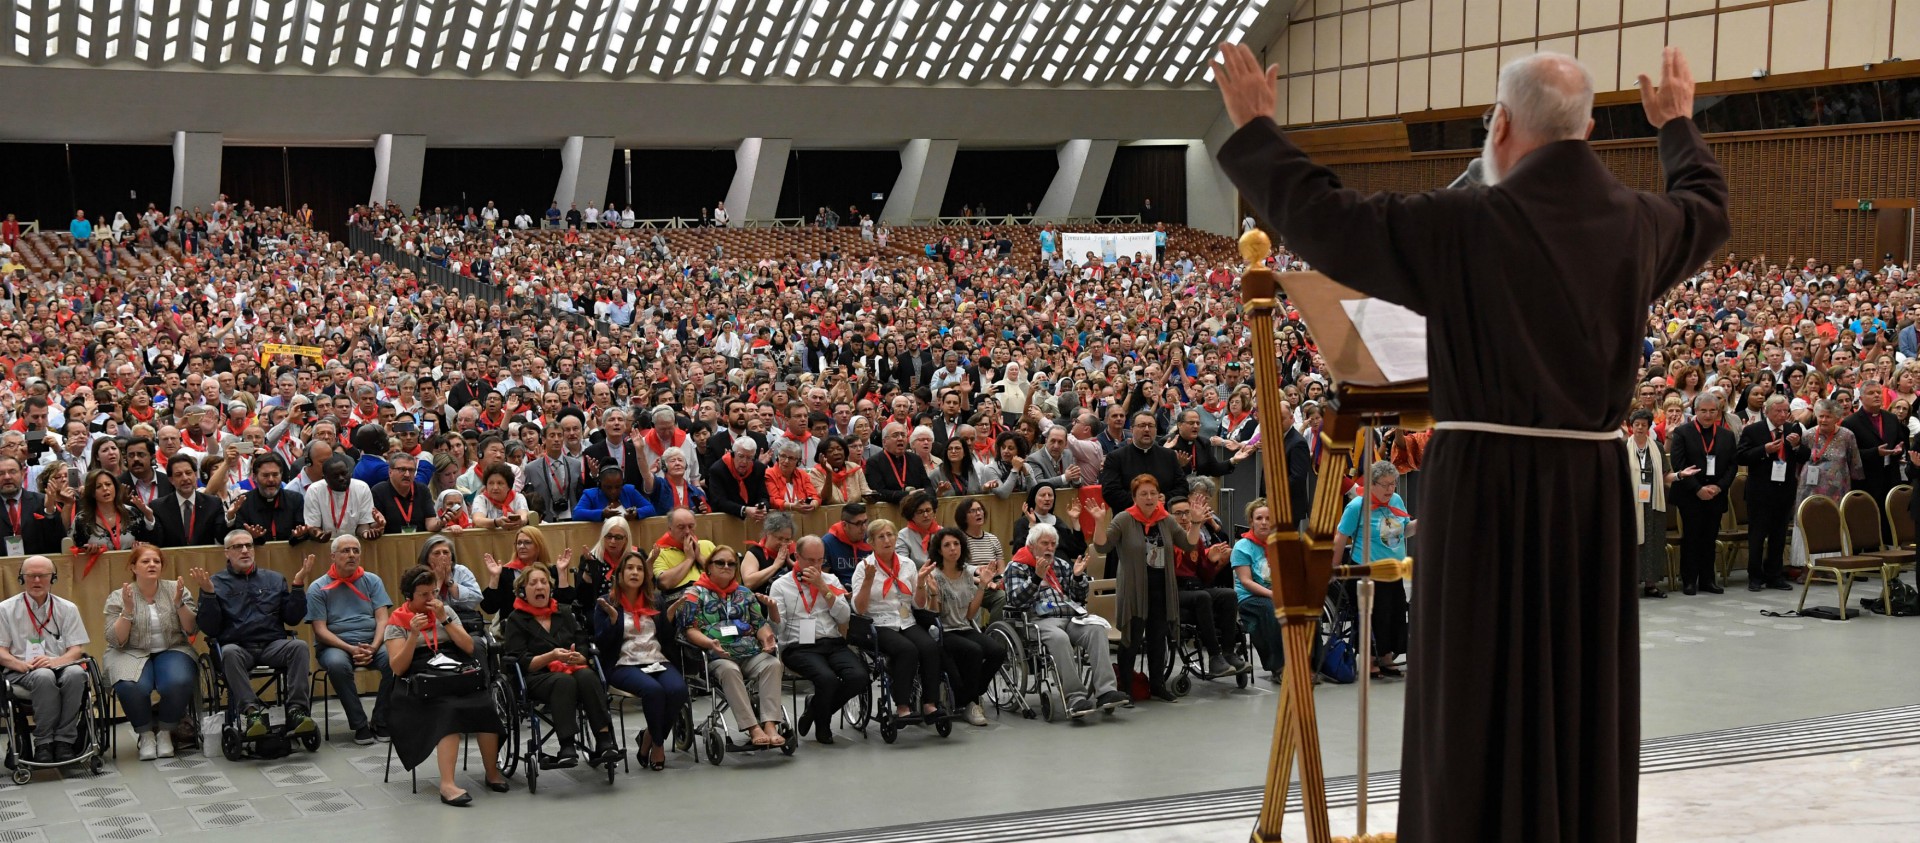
[40, 531]
[725, 490]
[1688, 449]
[636, 469]
[1882, 472]
[277, 517]
[1300, 468]
[209, 525]
[554, 503]
[1759, 461]
[885, 483]
[386, 501]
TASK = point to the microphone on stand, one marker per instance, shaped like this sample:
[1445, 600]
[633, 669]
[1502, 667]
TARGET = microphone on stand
[1475, 175]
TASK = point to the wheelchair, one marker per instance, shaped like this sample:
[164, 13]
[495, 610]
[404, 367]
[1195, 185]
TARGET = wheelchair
[279, 740]
[712, 732]
[95, 726]
[1030, 670]
[520, 709]
[879, 707]
[1190, 660]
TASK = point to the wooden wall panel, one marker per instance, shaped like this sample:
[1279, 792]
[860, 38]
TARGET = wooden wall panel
[1742, 44]
[1780, 187]
[1860, 32]
[1799, 36]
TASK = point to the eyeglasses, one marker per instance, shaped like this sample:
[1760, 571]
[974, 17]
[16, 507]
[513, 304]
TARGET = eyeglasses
[728, 563]
[1486, 120]
[37, 576]
[237, 547]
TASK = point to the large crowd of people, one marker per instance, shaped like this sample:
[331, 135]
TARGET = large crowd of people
[236, 377]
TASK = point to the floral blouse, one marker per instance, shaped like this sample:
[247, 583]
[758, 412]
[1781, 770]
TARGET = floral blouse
[733, 621]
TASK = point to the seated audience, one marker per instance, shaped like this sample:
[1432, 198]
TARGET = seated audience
[43, 642]
[428, 646]
[150, 623]
[247, 609]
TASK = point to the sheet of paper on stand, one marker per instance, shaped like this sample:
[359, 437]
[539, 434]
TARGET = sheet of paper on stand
[1396, 336]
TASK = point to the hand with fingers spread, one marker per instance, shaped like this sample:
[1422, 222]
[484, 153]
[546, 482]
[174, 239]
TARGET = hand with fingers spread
[1674, 97]
[1249, 91]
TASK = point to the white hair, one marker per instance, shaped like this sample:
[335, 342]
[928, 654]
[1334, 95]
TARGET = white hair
[1040, 531]
[1548, 96]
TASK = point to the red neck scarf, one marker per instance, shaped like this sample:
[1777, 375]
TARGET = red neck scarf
[709, 585]
[640, 608]
[839, 531]
[1148, 519]
[890, 576]
[516, 564]
[402, 617]
[237, 429]
[501, 503]
[537, 611]
[738, 477]
[838, 479]
[340, 579]
[1387, 505]
[1248, 535]
[1234, 421]
[666, 542]
[659, 448]
[1024, 556]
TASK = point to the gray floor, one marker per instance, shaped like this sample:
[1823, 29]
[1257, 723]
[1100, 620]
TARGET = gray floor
[1709, 663]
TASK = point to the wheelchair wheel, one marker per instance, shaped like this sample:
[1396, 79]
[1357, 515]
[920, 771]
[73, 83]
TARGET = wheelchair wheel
[858, 712]
[1046, 705]
[1007, 689]
[683, 729]
[1182, 684]
[888, 731]
[1244, 679]
[310, 741]
[533, 776]
[792, 740]
[230, 744]
[22, 775]
[96, 765]
[716, 747]
[504, 703]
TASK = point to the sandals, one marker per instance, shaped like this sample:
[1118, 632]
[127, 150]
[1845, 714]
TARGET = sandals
[644, 755]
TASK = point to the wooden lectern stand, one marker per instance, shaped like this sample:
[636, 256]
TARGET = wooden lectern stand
[1301, 564]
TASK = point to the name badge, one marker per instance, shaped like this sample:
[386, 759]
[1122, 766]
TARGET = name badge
[729, 631]
[408, 529]
[15, 547]
[803, 630]
[1811, 475]
[1711, 462]
[35, 649]
[1779, 474]
[1643, 493]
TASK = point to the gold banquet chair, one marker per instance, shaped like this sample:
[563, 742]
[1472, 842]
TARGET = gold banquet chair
[1899, 499]
[1862, 514]
[1820, 523]
[1733, 531]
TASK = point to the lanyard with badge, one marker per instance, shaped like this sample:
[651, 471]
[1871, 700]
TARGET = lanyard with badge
[1779, 473]
[37, 641]
[16, 546]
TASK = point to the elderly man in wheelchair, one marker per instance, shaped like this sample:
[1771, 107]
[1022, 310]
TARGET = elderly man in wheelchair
[43, 653]
[1051, 593]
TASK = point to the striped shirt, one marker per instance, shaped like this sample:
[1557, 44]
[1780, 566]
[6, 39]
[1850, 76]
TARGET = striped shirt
[987, 549]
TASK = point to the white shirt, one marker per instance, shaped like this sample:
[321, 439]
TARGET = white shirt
[825, 616]
[59, 627]
[339, 512]
[895, 609]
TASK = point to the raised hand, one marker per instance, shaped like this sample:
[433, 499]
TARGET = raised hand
[1674, 96]
[126, 597]
[201, 579]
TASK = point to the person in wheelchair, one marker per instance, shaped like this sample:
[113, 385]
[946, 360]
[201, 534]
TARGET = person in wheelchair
[347, 608]
[885, 586]
[728, 624]
[529, 548]
[626, 631]
[1146, 538]
[948, 588]
[454, 584]
[1212, 611]
[547, 643]
[247, 609]
[43, 643]
[434, 663]
[149, 621]
[1053, 591]
[1253, 585]
[813, 636]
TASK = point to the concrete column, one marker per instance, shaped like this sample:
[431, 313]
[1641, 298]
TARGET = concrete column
[398, 162]
[917, 194]
[759, 168]
[1212, 202]
[585, 164]
[1075, 192]
[196, 170]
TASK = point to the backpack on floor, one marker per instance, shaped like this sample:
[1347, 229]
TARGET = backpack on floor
[1905, 599]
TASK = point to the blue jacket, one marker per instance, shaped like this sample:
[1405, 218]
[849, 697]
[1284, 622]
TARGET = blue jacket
[841, 558]
[593, 504]
[252, 609]
[663, 497]
[372, 470]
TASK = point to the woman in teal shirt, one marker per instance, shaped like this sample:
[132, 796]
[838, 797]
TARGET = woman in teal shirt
[1253, 584]
[1387, 539]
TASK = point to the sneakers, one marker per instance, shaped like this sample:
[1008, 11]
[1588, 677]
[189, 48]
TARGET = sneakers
[299, 721]
[1217, 664]
[976, 715]
[163, 743]
[43, 752]
[1238, 664]
[256, 718]
[148, 749]
[1080, 707]
[382, 733]
[364, 736]
[1113, 699]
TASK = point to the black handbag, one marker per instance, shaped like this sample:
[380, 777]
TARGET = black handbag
[432, 682]
[860, 631]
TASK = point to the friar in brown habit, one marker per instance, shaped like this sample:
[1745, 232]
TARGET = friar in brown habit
[1523, 701]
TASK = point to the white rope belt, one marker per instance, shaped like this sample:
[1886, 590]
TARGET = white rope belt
[1639, 518]
[1534, 432]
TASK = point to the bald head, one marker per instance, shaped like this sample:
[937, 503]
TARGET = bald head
[1548, 96]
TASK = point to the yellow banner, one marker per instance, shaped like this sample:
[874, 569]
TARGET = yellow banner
[312, 351]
